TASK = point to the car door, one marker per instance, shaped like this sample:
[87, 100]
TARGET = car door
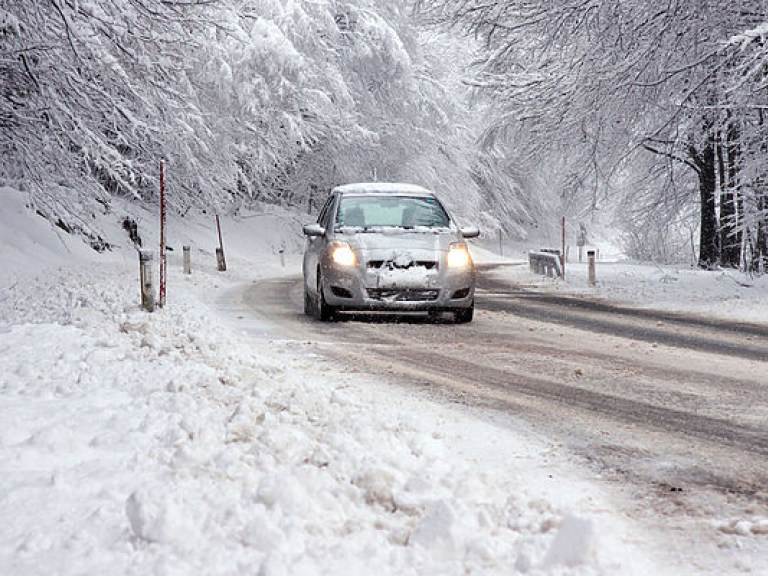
[317, 245]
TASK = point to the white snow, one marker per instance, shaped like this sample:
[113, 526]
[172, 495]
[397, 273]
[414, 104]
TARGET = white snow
[194, 441]
[400, 276]
[726, 294]
[384, 187]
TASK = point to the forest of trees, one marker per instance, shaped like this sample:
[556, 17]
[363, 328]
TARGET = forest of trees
[655, 108]
[649, 115]
[244, 100]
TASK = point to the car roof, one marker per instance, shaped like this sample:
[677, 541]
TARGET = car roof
[383, 188]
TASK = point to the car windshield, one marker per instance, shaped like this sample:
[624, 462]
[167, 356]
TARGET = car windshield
[379, 211]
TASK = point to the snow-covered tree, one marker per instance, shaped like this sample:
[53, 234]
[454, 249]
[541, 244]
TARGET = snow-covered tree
[98, 99]
[592, 87]
[242, 99]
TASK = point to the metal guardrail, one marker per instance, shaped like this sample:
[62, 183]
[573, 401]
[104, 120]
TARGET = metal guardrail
[546, 262]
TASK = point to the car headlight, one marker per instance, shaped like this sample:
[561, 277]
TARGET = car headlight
[458, 256]
[343, 255]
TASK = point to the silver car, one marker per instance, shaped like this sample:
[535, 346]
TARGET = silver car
[382, 246]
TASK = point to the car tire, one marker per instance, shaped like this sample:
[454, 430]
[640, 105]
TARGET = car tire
[465, 314]
[323, 311]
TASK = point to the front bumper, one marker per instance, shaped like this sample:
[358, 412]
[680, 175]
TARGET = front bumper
[357, 288]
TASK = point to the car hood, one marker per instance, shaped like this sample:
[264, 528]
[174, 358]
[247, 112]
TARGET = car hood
[394, 245]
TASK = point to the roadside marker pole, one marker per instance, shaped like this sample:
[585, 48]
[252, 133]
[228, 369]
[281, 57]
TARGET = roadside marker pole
[163, 262]
[220, 260]
[591, 259]
[564, 258]
[187, 260]
[145, 278]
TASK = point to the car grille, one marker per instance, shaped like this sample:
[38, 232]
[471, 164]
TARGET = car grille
[428, 264]
[395, 295]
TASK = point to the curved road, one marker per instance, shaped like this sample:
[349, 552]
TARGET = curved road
[675, 405]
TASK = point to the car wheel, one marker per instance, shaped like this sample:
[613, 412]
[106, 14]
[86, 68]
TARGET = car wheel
[323, 311]
[465, 314]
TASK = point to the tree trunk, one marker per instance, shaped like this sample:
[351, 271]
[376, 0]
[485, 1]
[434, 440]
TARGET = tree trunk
[730, 235]
[708, 238]
[722, 182]
[760, 256]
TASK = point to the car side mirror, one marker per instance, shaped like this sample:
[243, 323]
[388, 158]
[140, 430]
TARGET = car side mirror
[470, 232]
[313, 230]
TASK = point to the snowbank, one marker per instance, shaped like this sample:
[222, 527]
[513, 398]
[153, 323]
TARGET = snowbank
[726, 294]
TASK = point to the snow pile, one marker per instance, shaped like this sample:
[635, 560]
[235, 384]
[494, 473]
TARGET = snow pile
[406, 276]
[727, 294]
[167, 443]
[174, 443]
[28, 243]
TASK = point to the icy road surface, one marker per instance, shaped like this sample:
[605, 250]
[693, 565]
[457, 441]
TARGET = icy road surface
[672, 408]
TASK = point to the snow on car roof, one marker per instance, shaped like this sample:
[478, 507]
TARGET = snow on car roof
[382, 187]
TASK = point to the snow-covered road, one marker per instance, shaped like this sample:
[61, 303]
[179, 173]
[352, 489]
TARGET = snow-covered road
[670, 407]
